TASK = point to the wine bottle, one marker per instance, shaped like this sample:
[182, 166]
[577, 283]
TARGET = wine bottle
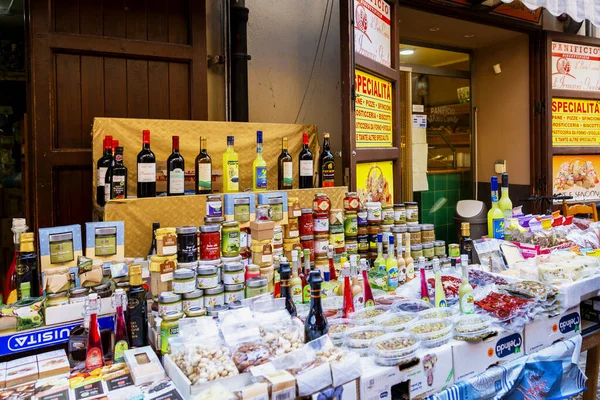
[102, 166]
[315, 324]
[27, 266]
[203, 170]
[95, 356]
[259, 166]
[119, 301]
[152, 251]
[306, 165]
[118, 176]
[326, 164]
[465, 291]
[505, 204]
[146, 169]
[19, 226]
[284, 275]
[137, 315]
[465, 241]
[285, 175]
[108, 178]
[175, 171]
[231, 177]
[495, 216]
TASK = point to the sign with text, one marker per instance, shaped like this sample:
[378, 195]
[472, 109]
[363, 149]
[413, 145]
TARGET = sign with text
[576, 176]
[373, 111]
[372, 36]
[518, 10]
[375, 182]
[575, 122]
[575, 67]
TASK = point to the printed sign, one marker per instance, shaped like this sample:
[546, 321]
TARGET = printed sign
[375, 182]
[372, 33]
[518, 10]
[575, 67]
[373, 111]
[575, 122]
[576, 176]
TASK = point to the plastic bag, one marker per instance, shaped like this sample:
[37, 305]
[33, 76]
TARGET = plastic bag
[279, 331]
[345, 365]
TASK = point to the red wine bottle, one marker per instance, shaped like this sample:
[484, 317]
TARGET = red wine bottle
[107, 180]
[146, 169]
[305, 165]
[285, 273]
[175, 171]
[285, 176]
[315, 325]
[102, 166]
[326, 164]
[118, 177]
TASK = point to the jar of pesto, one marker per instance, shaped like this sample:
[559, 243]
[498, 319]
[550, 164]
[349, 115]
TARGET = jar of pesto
[192, 299]
[184, 280]
[169, 327]
[194, 312]
[256, 286]
[214, 296]
[234, 293]
[57, 299]
[207, 277]
[276, 204]
[105, 241]
[169, 301]
[230, 239]
[233, 274]
[241, 209]
[61, 248]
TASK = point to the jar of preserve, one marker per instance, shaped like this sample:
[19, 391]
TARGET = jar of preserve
[427, 233]
[210, 242]
[361, 217]
[351, 224]
[338, 242]
[78, 295]
[351, 202]
[321, 244]
[166, 241]
[306, 222]
[439, 248]
[195, 298]
[241, 209]
[277, 235]
[233, 274]
[320, 223]
[291, 228]
[276, 204]
[207, 277]
[289, 245]
[214, 205]
[262, 252]
[351, 246]
[187, 244]
[293, 207]
[428, 251]
[234, 293]
[412, 213]
[322, 263]
[363, 240]
[263, 213]
[169, 301]
[373, 213]
[308, 242]
[399, 232]
[416, 251]
[256, 286]
[321, 203]
[387, 214]
[184, 281]
[230, 239]
[415, 234]
[252, 271]
[214, 296]
[373, 230]
[399, 214]
[336, 218]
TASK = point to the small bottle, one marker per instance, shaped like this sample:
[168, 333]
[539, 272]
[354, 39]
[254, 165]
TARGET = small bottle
[369, 300]
[276, 277]
[307, 269]
[315, 325]
[495, 216]
[332, 271]
[296, 281]
[119, 301]
[94, 358]
[348, 301]
[326, 164]
[146, 169]
[379, 264]
[118, 177]
[440, 296]
[203, 169]
[231, 177]
[402, 278]
[137, 310]
[19, 226]
[286, 292]
[27, 267]
[423, 277]
[305, 165]
[465, 291]
[466, 243]
[505, 205]
[175, 171]
[101, 168]
[408, 260]
[391, 266]
[285, 174]
[357, 289]
[259, 166]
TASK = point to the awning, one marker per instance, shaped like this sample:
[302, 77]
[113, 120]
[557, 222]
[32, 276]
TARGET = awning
[576, 9]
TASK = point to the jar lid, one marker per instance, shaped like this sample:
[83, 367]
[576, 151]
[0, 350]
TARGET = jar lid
[57, 237]
[439, 243]
[399, 229]
[229, 260]
[387, 206]
[276, 200]
[123, 285]
[262, 207]
[213, 220]
[107, 230]
[169, 297]
[241, 200]
[399, 205]
[164, 231]
[211, 263]
[214, 311]
[414, 228]
[253, 267]
[232, 267]
[350, 213]
[99, 288]
[189, 265]
[195, 311]
[427, 227]
[235, 305]
[216, 290]
[306, 211]
[171, 315]
[307, 238]
[78, 292]
[183, 273]
[428, 245]
[371, 204]
[416, 247]
[207, 270]
[411, 203]
[194, 294]
[320, 195]
[209, 228]
[321, 215]
[157, 258]
[57, 295]
[257, 281]
[234, 288]
[186, 230]
[231, 224]
[351, 194]
[213, 197]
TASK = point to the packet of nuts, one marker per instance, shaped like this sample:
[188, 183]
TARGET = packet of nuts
[282, 333]
[345, 365]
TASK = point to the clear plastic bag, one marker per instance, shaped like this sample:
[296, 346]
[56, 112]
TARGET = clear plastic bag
[279, 331]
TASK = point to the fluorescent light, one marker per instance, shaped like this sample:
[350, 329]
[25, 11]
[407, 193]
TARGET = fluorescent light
[407, 52]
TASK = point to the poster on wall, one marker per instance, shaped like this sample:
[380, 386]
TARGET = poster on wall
[575, 67]
[575, 175]
[373, 111]
[375, 182]
[372, 33]
[518, 10]
[575, 122]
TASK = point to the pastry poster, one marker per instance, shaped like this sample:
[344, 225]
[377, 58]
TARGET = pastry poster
[576, 176]
[575, 67]
[373, 111]
[372, 32]
[375, 182]
[575, 122]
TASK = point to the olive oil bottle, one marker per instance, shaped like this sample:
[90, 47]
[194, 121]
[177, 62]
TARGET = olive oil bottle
[137, 315]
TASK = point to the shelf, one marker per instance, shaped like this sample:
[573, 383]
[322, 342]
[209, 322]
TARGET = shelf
[12, 76]
[457, 139]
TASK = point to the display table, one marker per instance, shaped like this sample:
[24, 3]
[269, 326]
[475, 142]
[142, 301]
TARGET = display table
[591, 344]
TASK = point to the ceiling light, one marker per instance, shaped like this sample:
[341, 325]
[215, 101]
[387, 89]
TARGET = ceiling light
[470, 35]
[434, 29]
[407, 52]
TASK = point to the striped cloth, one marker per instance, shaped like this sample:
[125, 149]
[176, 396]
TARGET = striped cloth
[552, 373]
[576, 9]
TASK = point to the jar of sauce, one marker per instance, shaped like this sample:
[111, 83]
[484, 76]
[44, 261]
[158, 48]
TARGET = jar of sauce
[308, 242]
[230, 239]
[210, 242]
[262, 252]
[256, 286]
[428, 251]
[291, 228]
[289, 245]
[166, 241]
[293, 207]
[412, 213]
[374, 213]
[214, 296]
[351, 201]
[207, 277]
[234, 293]
[321, 203]
[277, 235]
[416, 251]
[169, 301]
[252, 271]
[320, 223]
[373, 230]
[321, 244]
[214, 205]
[322, 263]
[306, 222]
[439, 248]
[362, 216]
[351, 224]
[363, 239]
[187, 244]
[387, 214]
[415, 234]
[427, 233]
[337, 240]
[399, 214]
[399, 232]
[351, 246]
[241, 209]
[336, 218]
[276, 204]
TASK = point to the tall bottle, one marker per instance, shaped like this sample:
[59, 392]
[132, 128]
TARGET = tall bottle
[146, 168]
[285, 288]
[259, 166]
[408, 260]
[27, 266]
[348, 301]
[391, 266]
[305, 165]
[466, 243]
[231, 172]
[423, 276]
[505, 203]
[307, 269]
[203, 169]
[285, 170]
[137, 312]
[326, 164]
[379, 263]
[175, 171]
[94, 358]
[357, 289]
[495, 215]
[440, 296]
[19, 226]
[369, 300]
[315, 325]
[108, 178]
[152, 251]
[119, 301]
[101, 167]
[402, 279]
[465, 290]
[118, 176]
[296, 281]
[332, 271]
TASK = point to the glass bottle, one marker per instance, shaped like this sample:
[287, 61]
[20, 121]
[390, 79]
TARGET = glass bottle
[296, 283]
[348, 301]
[440, 296]
[118, 176]
[137, 312]
[379, 263]
[119, 301]
[465, 242]
[101, 167]
[332, 271]
[259, 166]
[108, 178]
[203, 170]
[402, 278]
[95, 356]
[305, 165]
[146, 169]
[307, 269]
[391, 266]
[357, 289]
[19, 226]
[152, 251]
[285, 174]
[285, 289]
[326, 164]
[315, 325]
[495, 216]
[231, 180]
[27, 266]
[408, 260]
[175, 171]
[423, 277]
[505, 204]
[466, 301]
[369, 300]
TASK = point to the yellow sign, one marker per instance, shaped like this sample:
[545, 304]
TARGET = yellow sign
[576, 176]
[373, 111]
[375, 182]
[575, 122]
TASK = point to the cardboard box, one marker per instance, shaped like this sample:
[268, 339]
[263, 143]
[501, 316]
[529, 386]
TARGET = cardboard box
[255, 391]
[474, 358]
[21, 374]
[348, 391]
[433, 373]
[544, 331]
[262, 230]
[2, 378]
[377, 381]
[74, 312]
[54, 366]
[21, 361]
[282, 385]
[51, 354]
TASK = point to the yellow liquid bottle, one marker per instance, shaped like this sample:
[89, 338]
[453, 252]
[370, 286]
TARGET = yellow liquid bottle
[465, 291]
[495, 215]
[296, 281]
[391, 267]
[231, 172]
[408, 260]
[505, 204]
[259, 166]
[379, 263]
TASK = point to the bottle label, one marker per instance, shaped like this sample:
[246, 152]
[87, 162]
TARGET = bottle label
[306, 168]
[204, 176]
[507, 218]
[93, 359]
[442, 303]
[306, 294]
[392, 278]
[118, 187]
[232, 176]
[358, 300]
[370, 303]
[467, 303]
[176, 180]
[101, 176]
[328, 174]
[288, 175]
[297, 294]
[410, 272]
[146, 172]
[120, 347]
[498, 228]
[106, 193]
[261, 177]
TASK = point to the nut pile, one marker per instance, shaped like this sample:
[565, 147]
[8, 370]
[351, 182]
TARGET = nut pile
[337, 329]
[398, 320]
[394, 344]
[368, 313]
[282, 341]
[249, 355]
[202, 365]
[330, 354]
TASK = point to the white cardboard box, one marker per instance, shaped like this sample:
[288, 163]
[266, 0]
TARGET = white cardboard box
[474, 358]
[347, 391]
[376, 381]
[433, 373]
[544, 331]
[74, 312]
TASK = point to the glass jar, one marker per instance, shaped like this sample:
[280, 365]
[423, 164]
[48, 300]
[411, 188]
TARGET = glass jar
[308, 242]
[373, 213]
[234, 293]
[210, 242]
[214, 296]
[320, 223]
[214, 205]
[252, 271]
[230, 239]
[233, 274]
[399, 232]
[363, 238]
[256, 286]
[78, 295]
[268, 272]
[187, 244]
[351, 202]
[351, 224]
[277, 235]
[416, 251]
[289, 245]
[207, 277]
[290, 230]
[166, 241]
[361, 216]
[161, 268]
[262, 252]
[263, 213]
[351, 246]
[412, 213]
[293, 207]
[415, 234]
[338, 242]
[439, 248]
[61, 248]
[103, 291]
[105, 241]
[322, 263]
[387, 214]
[373, 231]
[169, 301]
[399, 214]
[123, 285]
[276, 204]
[195, 298]
[428, 251]
[454, 250]
[321, 244]
[184, 281]
[321, 203]
[169, 328]
[427, 233]
[336, 218]
[306, 222]
[57, 299]
[241, 209]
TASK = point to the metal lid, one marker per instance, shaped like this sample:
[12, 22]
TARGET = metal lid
[107, 230]
[232, 267]
[306, 211]
[427, 245]
[164, 231]
[399, 205]
[229, 260]
[57, 237]
[427, 227]
[188, 265]
[211, 263]
[209, 228]
[216, 290]
[373, 204]
[234, 288]
[193, 294]
[411, 203]
[306, 237]
[213, 197]
[171, 315]
[386, 206]
[351, 213]
[183, 273]
[276, 200]
[416, 247]
[157, 258]
[414, 228]
[231, 224]
[207, 270]
[186, 230]
[57, 295]
[169, 297]
[241, 200]
[262, 207]
[257, 281]
[195, 311]
[351, 194]
[235, 305]
[122, 285]
[319, 195]
[439, 243]
[98, 288]
[214, 311]
[79, 292]
[399, 228]
[213, 220]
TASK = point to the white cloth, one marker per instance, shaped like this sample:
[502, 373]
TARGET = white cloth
[576, 9]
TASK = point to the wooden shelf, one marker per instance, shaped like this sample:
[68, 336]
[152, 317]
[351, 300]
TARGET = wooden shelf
[12, 76]
[457, 139]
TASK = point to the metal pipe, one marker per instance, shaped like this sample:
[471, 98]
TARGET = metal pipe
[239, 60]
[474, 166]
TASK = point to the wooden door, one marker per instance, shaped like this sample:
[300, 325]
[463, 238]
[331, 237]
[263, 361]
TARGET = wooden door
[113, 58]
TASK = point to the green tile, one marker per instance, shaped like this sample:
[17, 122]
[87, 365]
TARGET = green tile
[427, 217]
[427, 200]
[441, 216]
[454, 181]
[430, 181]
[440, 182]
[453, 196]
[451, 211]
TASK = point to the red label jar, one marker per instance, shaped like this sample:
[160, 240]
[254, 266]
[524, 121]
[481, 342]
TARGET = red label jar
[321, 203]
[210, 242]
[320, 223]
[308, 243]
[306, 222]
[351, 202]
